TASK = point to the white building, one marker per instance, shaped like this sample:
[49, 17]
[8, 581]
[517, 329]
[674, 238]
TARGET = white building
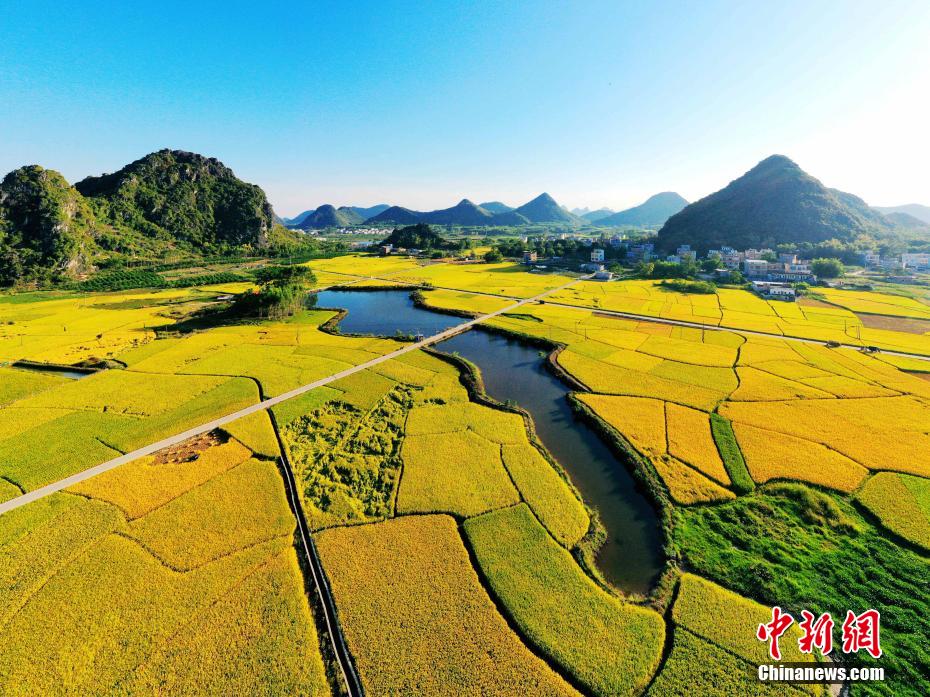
[919, 261]
[597, 255]
[685, 253]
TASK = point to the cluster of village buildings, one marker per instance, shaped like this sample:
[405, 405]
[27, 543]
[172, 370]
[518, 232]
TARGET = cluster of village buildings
[915, 261]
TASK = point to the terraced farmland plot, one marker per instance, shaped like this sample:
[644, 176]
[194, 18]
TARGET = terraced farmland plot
[902, 504]
[417, 619]
[210, 598]
[610, 647]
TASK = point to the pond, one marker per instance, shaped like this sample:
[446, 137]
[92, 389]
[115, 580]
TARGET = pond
[384, 313]
[61, 371]
[631, 558]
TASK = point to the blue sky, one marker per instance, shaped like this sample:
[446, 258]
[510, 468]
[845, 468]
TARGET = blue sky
[598, 103]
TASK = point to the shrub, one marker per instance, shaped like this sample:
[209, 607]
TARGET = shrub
[123, 280]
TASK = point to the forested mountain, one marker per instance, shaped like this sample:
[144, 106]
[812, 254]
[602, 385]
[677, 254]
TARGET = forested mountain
[46, 226]
[775, 202]
[905, 221]
[463, 213]
[544, 209]
[593, 216]
[329, 216]
[186, 196]
[419, 236]
[397, 215]
[168, 202]
[366, 213]
[652, 213]
[915, 210]
[496, 207]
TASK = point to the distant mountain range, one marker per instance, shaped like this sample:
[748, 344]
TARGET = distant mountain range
[495, 207]
[654, 212]
[776, 202]
[914, 210]
[330, 216]
[593, 216]
[542, 209]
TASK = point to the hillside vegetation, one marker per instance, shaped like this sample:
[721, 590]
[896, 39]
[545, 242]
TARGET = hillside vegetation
[168, 203]
[776, 202]
[653, 212]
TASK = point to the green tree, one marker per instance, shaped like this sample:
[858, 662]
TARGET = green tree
[827, 268]
[711, 263]
[493, 256]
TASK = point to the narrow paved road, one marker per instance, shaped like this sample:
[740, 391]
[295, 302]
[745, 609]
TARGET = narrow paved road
[634, 316]
[78, 477]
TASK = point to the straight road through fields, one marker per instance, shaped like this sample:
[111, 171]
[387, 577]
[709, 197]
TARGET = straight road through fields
[83, 475]
[635, 317]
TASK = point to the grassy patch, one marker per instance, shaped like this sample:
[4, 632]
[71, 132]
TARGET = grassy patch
[793, 546]
[347, 461]
[729, 450]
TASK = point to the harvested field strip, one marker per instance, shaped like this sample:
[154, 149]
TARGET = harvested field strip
[417, 619]
[609, 646]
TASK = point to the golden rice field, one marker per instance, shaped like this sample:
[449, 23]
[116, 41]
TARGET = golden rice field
[417, 619]
[437, 516]
[676, 440]
[143, 580]
[902, 504]
[561, 609]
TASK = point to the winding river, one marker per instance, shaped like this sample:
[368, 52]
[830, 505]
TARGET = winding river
[631, 557]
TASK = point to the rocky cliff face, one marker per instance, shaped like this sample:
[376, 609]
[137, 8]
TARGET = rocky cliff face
[47, 228]
[189, 197]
